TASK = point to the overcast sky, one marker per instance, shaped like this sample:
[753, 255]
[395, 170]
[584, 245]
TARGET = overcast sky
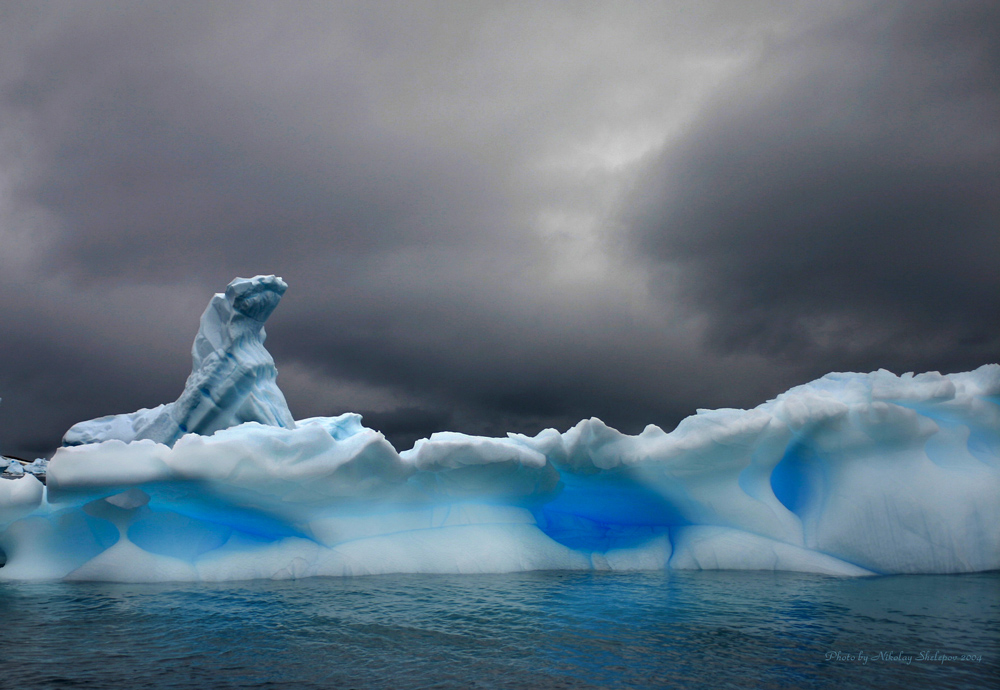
[495, 216]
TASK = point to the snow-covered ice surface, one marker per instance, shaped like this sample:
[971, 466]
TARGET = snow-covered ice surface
[852, 474]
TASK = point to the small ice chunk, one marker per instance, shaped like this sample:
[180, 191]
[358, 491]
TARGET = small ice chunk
[39, 467]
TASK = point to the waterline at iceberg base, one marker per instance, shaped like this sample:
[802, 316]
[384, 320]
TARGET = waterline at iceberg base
[852, 474]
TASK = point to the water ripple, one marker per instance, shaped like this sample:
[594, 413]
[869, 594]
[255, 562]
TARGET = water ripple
[525, 630]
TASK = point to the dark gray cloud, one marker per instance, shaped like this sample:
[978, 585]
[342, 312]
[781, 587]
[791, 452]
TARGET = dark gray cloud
[839, 205]
[493, 216]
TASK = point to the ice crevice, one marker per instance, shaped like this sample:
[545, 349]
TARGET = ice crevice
[851, 474]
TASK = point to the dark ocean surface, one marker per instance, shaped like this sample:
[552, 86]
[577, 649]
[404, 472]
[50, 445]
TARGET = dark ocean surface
[526, 630]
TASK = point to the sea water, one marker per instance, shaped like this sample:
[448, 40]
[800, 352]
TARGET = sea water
[526, 630]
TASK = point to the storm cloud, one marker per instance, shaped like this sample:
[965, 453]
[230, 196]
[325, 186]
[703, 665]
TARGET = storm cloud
[841, 203]
[495, 216]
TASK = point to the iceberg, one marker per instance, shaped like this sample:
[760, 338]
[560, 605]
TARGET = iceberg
[849, 475]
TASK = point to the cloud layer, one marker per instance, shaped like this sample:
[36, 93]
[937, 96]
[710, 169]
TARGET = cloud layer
[494, 216]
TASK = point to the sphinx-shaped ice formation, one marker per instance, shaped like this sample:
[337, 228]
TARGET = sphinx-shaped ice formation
[852, 474]
[232, 379]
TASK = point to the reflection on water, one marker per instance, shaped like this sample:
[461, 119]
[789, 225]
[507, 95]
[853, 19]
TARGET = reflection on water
[525, 630]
